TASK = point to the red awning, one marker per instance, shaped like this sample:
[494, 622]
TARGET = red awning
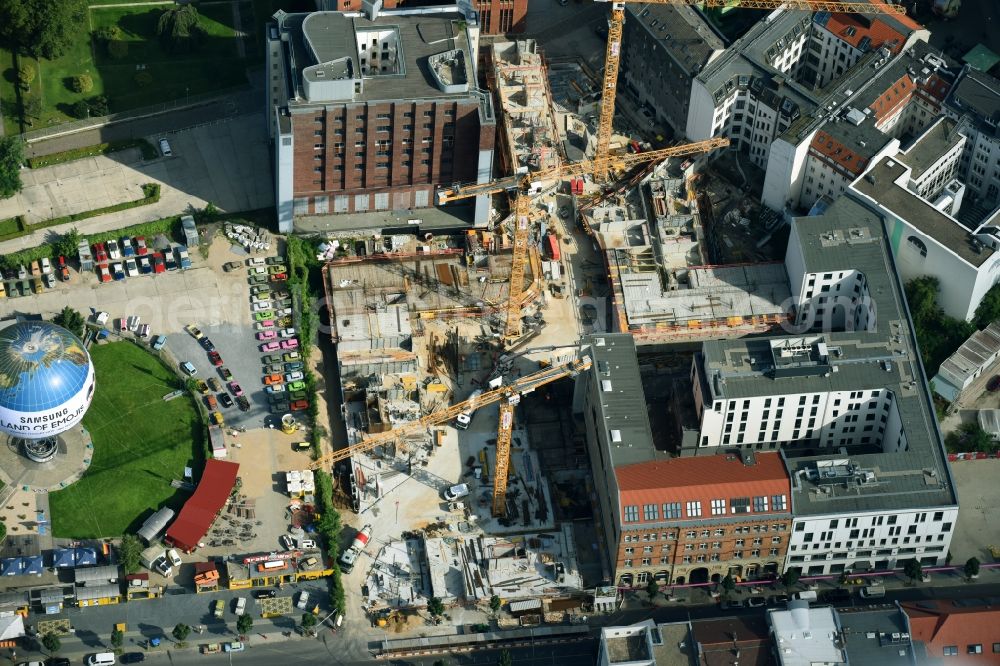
[200, 510]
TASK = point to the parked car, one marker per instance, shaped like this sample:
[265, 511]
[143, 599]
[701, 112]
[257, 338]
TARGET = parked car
[142, 331]
[292, 343]
[292, 367]
[275, 388]
[456, 492]
[63, 268]
[194, 331]
[233, 646]
[264, 325]
[113, 252]
[257, 279]
[264, 594]
[214, 385]
[202, 386]
[278, 277]
[293, 376]
[103, 274]
[276, 268]
[183, 258]
[292, 356]
[270, 346]
[296, 386]
[206, 344]
[307, 543]
[216, 418]
[231, 266]
[271, 358]
[261, 306]
[117, 271]
[100, 254]
[286, 542]
[189, 369]
[288, 332]
[131, 268]
[273, 261]
[175, 559]
[267, 335]
[169, 260]
[140, 246]
[127, 249]
[211, 402]
[756, 602]
[264, 316]
[235, 389]
[299, 405]
[243, 403]
[272, 379]
[225, 374]
[158, 265]
[145, 266]
[218, 608]
[48, 280]
[132, 658]
[45, 265]
[255, 261]
[279, 407]
[215, 358]
[303, 599]
[226, 401]
[158, 342]
[161, 565]
[165, 148]
[260, 290]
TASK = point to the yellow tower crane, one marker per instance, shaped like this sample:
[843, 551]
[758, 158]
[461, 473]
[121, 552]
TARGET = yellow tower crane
[522, 185]
[613, 52]
[508, 396]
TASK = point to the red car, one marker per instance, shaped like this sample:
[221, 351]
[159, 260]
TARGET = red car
[100, 256]
[299, 405]
[215, 358]
[158, 265]
[140, 246]
[236, 389]
[103, 274]
[63, 268]
[277, 277]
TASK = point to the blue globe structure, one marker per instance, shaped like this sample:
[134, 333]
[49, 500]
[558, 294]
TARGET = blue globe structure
[46, 383]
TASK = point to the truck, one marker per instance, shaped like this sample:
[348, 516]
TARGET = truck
[808, 595]
[150, 555]
[463, 420]
[552, 246]
[350, 555]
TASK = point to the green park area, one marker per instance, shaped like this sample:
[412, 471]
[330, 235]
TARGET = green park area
[141, 444]
[124, 58]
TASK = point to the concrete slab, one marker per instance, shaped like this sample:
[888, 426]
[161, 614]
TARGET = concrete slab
[979, 494]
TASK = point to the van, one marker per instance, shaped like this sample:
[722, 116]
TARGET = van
[101, 659]
[873, 592]
[463, 420]
[808, 595]
[456, 492]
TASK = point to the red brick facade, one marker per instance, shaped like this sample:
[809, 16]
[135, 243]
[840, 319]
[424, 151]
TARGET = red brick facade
[345, 155]
[496, 17]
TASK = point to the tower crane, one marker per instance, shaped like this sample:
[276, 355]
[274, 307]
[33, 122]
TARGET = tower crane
[613, 52]
[508, 396]
[522, 184]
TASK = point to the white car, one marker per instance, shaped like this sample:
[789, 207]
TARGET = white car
[259, 270]
[165, 148]
[46, 265]
[163, 567]
[293, 376]
[131, 268]
[260, 298]
[255, 261]
[262, 306]
[241, 605]
[307, 543]
[174, 558]
[303, 599]
[287, 333]
[284, 312]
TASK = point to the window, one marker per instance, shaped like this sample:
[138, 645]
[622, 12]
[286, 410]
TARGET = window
[739, 542]
[996, 648]
[760, 503]
[650, 512]
[672, 510]
[719, 532]
[775, 540]
[716, 545]
[629, 551]
[628, 563]
[718, 507]
[779, 502]
[631, 514]
[694, 509]
[950, 650]
[689, 535]
[740, 504]
[645, 561]
[974, 648]
[704, 534]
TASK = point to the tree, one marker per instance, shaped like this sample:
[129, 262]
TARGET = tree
[98, 106]
[495, 604]
[117, 638]
[308, 621]
[971, 568]
[11, 159]
[51, 642]
[26, 73]
[31, 106]
[67, 244]
[82, 83]
[182, 631]
[435, 607]
[244, 623]
[41, 27]
[71, 320]
[178, 28]
[969, 437]
[728, 584]
[652, 589]
[143, 78]
[913, 570]
[117, 49]
[505, 658]
[988, 310]
[80, 109]
[130, 553]
[790, 577]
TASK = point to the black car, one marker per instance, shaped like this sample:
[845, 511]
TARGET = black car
[225, 400]
[132, 657]
[57, 661]
[264, 594]
[243, 404]
[207, 344]
[837, 596]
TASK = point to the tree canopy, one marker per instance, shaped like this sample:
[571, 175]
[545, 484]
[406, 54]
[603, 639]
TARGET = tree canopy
[178, 28]
[11, 159]
[43, 28]
[938, 334]
[130, 553]
[71, 320]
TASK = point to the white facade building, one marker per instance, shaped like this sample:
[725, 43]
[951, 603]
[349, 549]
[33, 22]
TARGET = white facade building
[975, 103]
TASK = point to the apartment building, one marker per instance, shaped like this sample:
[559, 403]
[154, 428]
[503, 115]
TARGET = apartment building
[494, 17]
[884, 98]
[839, 40]
[975, 103]
[681, 42]
[844, 401]
[373, 112]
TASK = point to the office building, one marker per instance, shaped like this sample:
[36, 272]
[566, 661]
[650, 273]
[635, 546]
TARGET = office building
[495, 17]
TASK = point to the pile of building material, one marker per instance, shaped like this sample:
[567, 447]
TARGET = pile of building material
[251, 238]
[300, 482]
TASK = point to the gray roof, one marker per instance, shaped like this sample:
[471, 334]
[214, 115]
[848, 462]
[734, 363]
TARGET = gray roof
[879, 185]
[974, 354]
[681, 30]
[623, 408]
[101, 574]
[864, 140]
[848, 236]
[930, 146]
[977, 94]
[329, 37]
[875, 636]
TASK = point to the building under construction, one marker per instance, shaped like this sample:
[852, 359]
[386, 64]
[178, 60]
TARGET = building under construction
[661, 287]
[528, 137]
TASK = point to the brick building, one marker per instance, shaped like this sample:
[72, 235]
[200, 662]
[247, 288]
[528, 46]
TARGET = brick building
[496, 17]
[372, 113]
[698, 519]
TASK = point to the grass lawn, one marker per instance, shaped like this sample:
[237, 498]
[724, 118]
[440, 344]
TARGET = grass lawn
[141, 443]
[8, 96]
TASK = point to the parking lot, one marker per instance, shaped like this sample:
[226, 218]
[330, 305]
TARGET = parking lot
[978, 494]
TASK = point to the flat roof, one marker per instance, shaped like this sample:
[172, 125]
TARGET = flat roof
[680, 30]
[876, 636]
[974, 354]
[458, 216]
[885, 185]
[806, 636]
[848, 236]
[928, 148]
[977, 93]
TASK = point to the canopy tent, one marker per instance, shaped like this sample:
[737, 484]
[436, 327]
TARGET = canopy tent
[199, 512]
